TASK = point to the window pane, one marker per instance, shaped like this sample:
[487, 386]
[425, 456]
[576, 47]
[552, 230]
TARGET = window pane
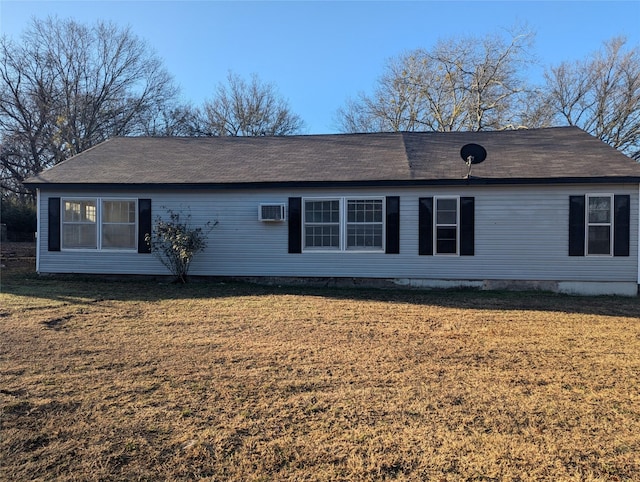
[310, 212]
[79, 211]
[118, 224]
[447, 204]
[364, 211]
[119, 212]
[79, 229]
[322, 224]
[364, 224]
[446, 242]
[79, 236]
[322, 236]
[364, 236]
[446, 212]
[600, 209]
[446, 226]
[599, 240]
[447, 217]
[119, 236]
[322, 211]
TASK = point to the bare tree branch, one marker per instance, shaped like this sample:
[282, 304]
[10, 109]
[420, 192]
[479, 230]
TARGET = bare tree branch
[67, 87]
[601, 95]
[239, 108]
[460, 84]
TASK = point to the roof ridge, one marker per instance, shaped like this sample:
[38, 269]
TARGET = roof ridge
[410, 167]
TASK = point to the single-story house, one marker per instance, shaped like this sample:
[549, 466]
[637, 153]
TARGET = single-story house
[551, 208]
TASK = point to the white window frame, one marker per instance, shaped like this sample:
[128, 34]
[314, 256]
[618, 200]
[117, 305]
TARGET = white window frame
[134, 247]
[99, 208]
[588, 224]
[347, 223]
[445, 225]
[306, 223]
[342, 225]
[64, 222]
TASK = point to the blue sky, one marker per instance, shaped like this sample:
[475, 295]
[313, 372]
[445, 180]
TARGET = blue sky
[318, 54]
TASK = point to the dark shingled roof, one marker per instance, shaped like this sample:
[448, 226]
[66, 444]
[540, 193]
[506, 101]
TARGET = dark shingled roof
[538, 155]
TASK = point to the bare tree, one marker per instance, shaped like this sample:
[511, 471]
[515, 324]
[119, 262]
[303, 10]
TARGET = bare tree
[27, 115]
[601, 95]
[464, 84]
[397, 103]
[239, 108]
[178, 120]
[66, 87]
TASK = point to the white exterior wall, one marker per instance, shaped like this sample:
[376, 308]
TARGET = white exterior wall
[521, 233]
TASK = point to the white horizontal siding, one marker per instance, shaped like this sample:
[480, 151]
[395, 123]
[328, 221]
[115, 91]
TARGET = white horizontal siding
[521, 233]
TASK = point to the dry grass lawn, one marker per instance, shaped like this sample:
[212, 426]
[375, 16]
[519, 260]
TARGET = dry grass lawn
[141, 380]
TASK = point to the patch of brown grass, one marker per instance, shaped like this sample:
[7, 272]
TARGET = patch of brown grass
[146, 381]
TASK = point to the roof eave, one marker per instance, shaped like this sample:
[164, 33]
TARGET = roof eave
[44, 185]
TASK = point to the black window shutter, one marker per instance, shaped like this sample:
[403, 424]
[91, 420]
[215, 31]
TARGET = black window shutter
[621, 228]
[144, 224]
[295, 225]
[467, 226]
[576, 225]
[54, 224]
[392, 245]
[425, 226]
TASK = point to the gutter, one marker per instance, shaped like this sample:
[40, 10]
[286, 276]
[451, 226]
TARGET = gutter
[472, 181]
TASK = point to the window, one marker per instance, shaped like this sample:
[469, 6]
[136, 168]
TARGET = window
[102, 224]
[364, 224]
[599, 224]
[343, 224]
[322, 224]
[79, 225]
[446, 229]
[118, 224]
[446, 225]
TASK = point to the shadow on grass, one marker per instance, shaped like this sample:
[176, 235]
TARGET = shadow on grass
[78, 288]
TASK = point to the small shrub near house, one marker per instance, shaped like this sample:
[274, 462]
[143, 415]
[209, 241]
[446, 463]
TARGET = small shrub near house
[175, 242]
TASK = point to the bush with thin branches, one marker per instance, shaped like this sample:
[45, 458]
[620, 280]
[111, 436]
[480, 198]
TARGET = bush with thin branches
[175, 242]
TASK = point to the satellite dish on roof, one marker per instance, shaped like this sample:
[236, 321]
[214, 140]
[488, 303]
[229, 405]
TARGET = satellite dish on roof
[472, 154]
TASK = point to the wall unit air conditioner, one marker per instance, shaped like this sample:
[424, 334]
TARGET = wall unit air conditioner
[271, 212]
